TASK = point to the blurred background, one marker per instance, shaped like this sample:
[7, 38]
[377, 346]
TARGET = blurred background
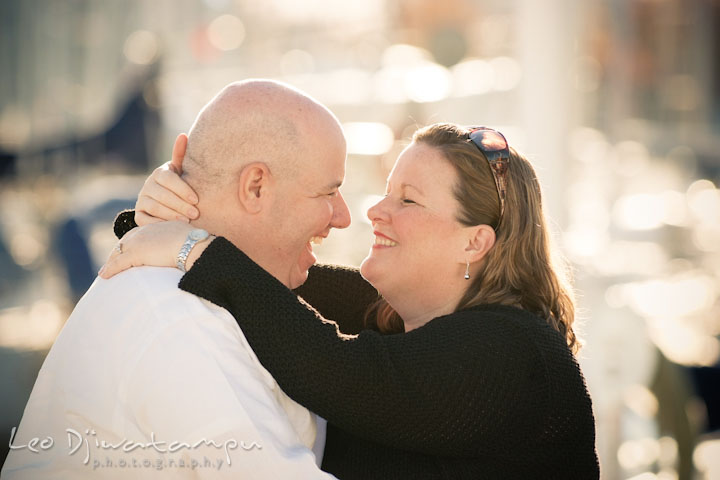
[617, 103]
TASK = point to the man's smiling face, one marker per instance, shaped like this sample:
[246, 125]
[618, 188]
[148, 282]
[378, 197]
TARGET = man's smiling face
[309, 203]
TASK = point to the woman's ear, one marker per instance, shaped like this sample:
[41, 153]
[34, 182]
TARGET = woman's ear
[480, 241]
[255, 185]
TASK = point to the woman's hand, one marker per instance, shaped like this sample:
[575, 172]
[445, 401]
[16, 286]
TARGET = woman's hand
[165, 196]
[156, 245]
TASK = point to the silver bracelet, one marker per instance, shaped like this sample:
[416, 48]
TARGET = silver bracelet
[195, 236]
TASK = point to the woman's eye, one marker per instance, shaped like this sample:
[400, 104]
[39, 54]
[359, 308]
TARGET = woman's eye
[407, 201]
[333, 194]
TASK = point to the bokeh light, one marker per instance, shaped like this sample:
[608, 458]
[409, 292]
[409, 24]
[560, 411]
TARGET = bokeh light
[141, 47]
[704, 202]
[226, 32]
[31, 328]
[472, 77]
[677, 296]
[639, 212]
[707, 458]
[508, 73]
[297, 62]
[633, 454]
[428, 82]
[368, 138]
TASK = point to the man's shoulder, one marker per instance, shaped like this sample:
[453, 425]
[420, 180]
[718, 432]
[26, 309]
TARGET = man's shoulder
[142, 301]
[150, 289]
[147, 281]
[120, 318]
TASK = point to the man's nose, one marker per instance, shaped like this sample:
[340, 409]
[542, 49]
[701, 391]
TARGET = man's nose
[341, 213]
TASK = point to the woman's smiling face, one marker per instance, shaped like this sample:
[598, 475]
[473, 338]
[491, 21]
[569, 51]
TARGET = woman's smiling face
[419, 242]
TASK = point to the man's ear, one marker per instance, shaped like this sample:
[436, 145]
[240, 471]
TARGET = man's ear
[254, 186]
[481, 240]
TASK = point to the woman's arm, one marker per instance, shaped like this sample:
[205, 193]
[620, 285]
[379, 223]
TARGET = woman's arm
[340, 293]
[124, 222]
[452, 387]
[337, 292]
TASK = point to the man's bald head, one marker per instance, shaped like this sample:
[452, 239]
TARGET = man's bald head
[252, 121]
[267, 162]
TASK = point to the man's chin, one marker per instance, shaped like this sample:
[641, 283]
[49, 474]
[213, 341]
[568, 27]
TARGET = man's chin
[298, 277]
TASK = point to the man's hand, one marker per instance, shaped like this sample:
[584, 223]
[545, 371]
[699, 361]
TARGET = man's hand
[165, 196]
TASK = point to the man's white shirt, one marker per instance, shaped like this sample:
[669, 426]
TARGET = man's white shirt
[145, 381]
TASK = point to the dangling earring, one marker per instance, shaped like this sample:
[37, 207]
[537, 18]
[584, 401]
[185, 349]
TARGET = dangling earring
[467, 270]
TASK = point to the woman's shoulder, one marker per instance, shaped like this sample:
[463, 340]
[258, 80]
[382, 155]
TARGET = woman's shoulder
[530, 359]
[527, 341]
[517, 330]
[492, 316]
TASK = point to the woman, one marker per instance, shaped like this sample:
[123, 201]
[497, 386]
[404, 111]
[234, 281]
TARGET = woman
[483, 383]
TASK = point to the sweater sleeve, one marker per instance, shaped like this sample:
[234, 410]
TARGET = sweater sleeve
[335, 291]
[456, 386]
[124, 222]
[339, 293]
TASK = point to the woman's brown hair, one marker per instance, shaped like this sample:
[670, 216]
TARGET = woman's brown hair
[522, 269]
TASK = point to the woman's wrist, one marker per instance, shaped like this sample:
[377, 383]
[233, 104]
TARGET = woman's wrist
[197, 250]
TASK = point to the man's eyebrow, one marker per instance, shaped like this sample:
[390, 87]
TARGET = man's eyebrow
[404, 185]
[333, 186]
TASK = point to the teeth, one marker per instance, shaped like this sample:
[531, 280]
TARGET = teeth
[385, 242]
[316, 240]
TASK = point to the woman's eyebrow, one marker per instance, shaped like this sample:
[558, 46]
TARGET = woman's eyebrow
[408, 185]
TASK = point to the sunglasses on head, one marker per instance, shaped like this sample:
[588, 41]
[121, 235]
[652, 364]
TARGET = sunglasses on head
[495, 148]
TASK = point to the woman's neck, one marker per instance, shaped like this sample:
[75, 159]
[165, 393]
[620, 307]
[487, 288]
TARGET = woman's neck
[416, 312]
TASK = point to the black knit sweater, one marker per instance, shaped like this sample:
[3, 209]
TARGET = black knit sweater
[490, 392]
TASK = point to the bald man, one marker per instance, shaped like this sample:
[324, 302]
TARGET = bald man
[148, 381]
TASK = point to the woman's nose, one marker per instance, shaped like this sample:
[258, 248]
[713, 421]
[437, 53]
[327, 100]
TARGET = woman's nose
[379, 211]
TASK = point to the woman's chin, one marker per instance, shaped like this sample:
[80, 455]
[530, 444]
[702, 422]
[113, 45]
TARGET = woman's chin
[369, 270]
